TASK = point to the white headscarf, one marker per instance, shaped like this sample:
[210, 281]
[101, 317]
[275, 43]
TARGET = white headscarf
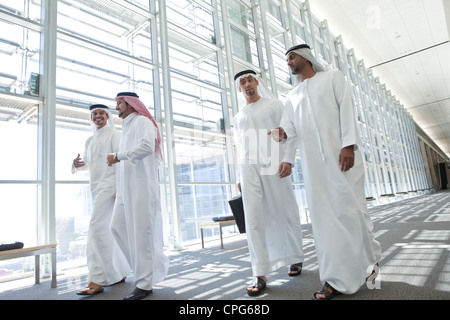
[110, 121]
[305, 51]
[263, 90]
[95, 146]
[255, 150]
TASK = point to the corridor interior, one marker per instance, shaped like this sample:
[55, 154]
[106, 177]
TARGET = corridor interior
[415, 265]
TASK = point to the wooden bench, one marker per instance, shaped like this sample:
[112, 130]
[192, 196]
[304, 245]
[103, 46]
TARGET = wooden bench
[36, 252]
[216, 224]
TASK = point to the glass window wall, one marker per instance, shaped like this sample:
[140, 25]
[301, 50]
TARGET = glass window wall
[20, 55]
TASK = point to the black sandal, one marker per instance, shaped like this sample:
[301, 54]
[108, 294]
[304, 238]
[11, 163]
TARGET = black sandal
[295, 269]
[328, 295]
[257, 283]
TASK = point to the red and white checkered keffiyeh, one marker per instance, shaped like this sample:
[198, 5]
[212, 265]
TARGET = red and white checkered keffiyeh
[141, 109]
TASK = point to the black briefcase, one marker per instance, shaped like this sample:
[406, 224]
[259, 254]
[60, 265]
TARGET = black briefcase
[237, 208]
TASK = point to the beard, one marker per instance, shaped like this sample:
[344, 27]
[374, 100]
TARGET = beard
[122, 112]
[250, 93]
[295, 70]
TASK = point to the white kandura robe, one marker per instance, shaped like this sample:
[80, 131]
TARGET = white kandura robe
[137, 221]
[105, 261]
[272, 217]
[320, 114]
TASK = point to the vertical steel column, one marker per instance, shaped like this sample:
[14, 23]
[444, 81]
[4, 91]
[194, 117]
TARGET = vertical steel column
[291, 25]
[46, 130]
[410, 136]
[408, 165]
[416, 155]
[341, 53]
[378, 128]
[155, 61]
[259, 46]
[407, 149]
[223, 85]
[379, 93]
[329, 44]
[47, 124]
[361, 98]
[220, 64]
[374, 106]
[388, 131]
[402, 148]
[286, 20]
[395, 148]
[307, 9]
[229, 56]
[263, 11]
[157, 102]
[372, 165]
[176, 241]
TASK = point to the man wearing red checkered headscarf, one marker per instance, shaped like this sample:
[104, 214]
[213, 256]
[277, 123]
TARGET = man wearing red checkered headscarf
[137, 222]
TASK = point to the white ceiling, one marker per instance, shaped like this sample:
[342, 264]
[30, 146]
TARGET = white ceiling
[406, 44]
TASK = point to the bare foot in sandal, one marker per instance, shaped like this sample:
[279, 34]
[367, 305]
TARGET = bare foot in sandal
[257, 286]
[91, 289]
[295, 269]
[326, 293]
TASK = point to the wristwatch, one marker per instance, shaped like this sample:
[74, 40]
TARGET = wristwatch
[115, 157]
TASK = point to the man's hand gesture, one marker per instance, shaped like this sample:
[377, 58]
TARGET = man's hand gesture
[278, 134]
[78, 163]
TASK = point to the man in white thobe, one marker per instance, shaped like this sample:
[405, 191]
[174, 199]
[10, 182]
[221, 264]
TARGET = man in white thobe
[137, 220]
[320, 114]
[271, 212]
[106, 263]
